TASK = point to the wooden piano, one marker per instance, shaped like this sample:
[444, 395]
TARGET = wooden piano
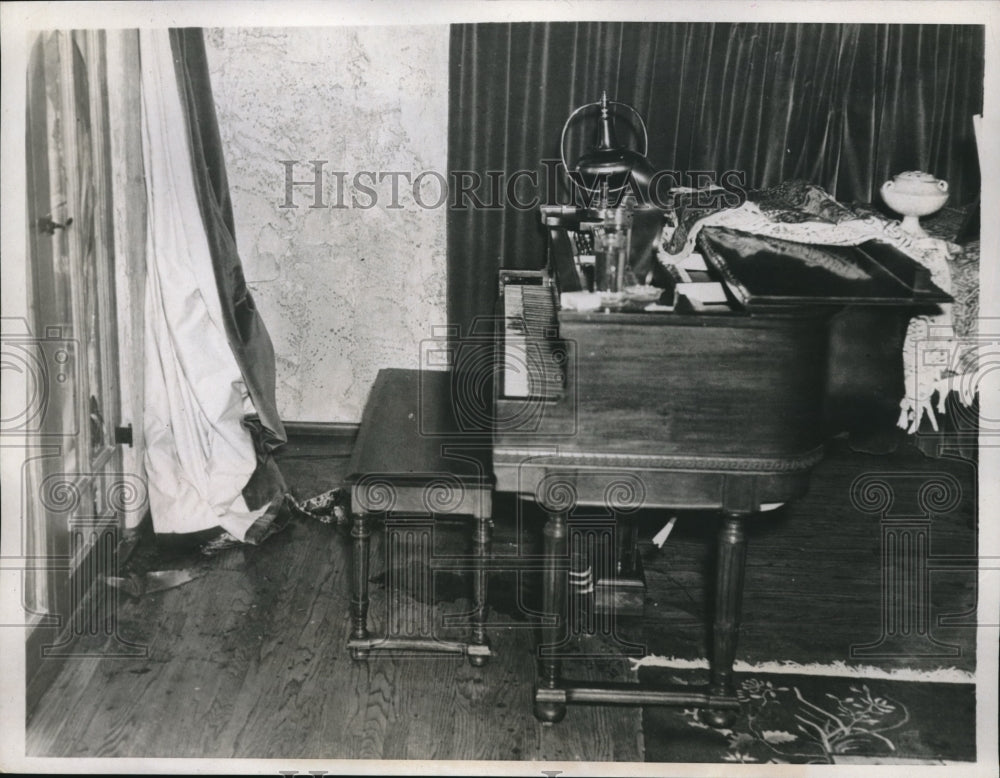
[632, 409]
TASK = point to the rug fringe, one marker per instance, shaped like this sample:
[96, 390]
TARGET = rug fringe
[837, 668]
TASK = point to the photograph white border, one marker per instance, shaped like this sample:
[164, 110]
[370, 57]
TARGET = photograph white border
[18, 20]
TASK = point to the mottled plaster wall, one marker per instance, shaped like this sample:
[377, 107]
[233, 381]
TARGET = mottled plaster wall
[343, 292]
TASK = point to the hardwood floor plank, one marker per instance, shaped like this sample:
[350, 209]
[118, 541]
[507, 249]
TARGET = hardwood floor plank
[45, 728]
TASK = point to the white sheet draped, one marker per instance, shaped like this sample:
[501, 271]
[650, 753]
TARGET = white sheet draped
[198, 455]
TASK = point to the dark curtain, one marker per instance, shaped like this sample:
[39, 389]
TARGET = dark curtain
[842, 106]
[245, 329]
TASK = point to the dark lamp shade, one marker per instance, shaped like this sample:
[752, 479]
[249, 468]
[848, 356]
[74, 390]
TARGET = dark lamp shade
[608, 168]
[616, 167]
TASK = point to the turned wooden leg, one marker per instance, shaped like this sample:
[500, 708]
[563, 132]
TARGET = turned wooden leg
[554, 608]
[481, 550]
[360, 532]
[728, 597]
[627, 541]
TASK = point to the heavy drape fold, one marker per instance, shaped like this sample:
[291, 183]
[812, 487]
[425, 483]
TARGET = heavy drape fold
[245, 329]
[198, 455]
[841, 106]
[210, 420]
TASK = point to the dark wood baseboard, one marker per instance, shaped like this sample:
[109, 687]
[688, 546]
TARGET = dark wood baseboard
[334, 429]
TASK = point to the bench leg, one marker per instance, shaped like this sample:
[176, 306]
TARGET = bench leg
[481, 550]
[360, 532]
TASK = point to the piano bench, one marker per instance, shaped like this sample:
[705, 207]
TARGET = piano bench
[411, 462]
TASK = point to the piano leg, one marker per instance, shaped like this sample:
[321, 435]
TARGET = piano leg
[481, 549]
[627, 539]
[550, 701]
[360, 532]
[728, 597]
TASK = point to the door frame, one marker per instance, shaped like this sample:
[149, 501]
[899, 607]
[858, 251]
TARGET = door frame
[77, 493]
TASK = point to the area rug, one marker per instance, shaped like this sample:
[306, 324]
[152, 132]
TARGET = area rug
[813, 719]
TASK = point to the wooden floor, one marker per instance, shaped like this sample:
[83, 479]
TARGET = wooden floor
[249, 659]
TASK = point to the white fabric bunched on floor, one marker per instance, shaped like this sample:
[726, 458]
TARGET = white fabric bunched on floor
[198, 454]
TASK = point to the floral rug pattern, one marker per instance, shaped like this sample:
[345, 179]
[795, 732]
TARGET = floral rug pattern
[818, 720]
[859, 722]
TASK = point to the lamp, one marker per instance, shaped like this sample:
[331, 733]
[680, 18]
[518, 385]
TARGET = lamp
[609, 166]
[612, 176]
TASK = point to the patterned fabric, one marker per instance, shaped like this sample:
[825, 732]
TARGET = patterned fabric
[964, 270]
[935, 359]
[329, 507]
[796, 719]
